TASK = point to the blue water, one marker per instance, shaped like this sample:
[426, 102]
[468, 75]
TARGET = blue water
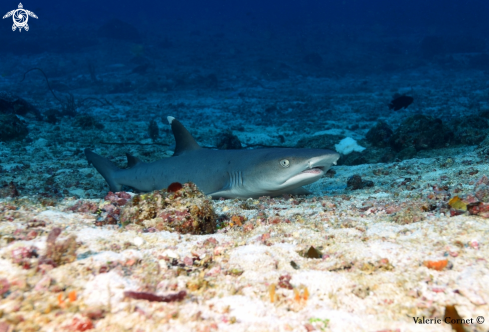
[272, 73]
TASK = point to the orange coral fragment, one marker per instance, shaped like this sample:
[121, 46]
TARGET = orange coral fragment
[61, 302]
[81, 324]
[271, 290]
[238, 220]
[72, 296]
[436, 265]
[305, 295]
[297, 295]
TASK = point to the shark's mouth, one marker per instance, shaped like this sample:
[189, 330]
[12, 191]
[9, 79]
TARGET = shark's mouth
[314, 170]
[306, 176]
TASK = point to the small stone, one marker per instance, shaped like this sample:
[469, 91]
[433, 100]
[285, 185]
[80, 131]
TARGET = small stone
[188, 261]
[40, 143]
[138, 241]
[171, 254]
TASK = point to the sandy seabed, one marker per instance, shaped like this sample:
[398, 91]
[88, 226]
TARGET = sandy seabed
[372, 276]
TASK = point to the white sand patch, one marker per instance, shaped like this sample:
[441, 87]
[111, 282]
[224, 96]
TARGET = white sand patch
[64, 217]
[107, 287]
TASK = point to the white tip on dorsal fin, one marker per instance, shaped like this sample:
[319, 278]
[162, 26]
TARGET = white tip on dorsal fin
[170, 119]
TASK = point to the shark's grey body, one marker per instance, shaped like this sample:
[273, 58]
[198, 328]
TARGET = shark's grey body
[221, 173]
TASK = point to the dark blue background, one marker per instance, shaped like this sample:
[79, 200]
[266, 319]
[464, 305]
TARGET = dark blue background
[450, 14]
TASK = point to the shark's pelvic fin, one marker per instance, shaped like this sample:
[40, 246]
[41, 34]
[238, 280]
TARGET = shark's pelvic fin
[105, 167]
[132, 161]
[184, 142]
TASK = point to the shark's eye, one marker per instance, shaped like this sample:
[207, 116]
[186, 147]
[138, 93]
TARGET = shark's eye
[284, 163]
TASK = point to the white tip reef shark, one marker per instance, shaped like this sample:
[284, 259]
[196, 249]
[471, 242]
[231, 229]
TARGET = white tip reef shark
[220, 173]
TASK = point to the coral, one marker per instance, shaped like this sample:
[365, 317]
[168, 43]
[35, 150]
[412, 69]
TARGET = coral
[52, 116]
[25, 234]
[156, 298]
[284, 281]
[355, 182]
[24, 256]
[59, 252]
[87, 122]
[10, 104]
[4, 286]
[11, 127]
[437, 265]
[228, 141]
[408, 215]
[109, 213]
[83, 206]
[81, 324]
[187, 211]
[421, 132]
[470, 130]
[483, 148]
[9, 190]
[379, 135]
[119, 198]
[325, 141]
[382, 264]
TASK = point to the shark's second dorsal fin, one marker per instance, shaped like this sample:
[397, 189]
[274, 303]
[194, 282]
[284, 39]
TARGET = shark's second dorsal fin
[132, 161]
[184, 142]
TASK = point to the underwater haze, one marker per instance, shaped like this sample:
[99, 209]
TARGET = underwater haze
[226, 165]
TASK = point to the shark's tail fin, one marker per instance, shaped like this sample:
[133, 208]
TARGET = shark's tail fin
[105, 167]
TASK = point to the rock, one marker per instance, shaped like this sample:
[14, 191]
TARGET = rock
[228, 141]
[11, 127]
[40, 143]
[325, 141]
[138, 241]
[355, 182]
[471, 130]
[421, 132]
[10, 104]
[379, 135]
[186, 211]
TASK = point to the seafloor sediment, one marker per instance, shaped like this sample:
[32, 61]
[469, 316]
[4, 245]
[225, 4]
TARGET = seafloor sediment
[372, 276]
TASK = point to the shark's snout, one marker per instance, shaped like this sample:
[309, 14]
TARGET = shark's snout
[313, 169]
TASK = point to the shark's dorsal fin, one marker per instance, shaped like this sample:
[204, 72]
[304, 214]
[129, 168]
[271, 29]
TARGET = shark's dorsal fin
[184, 142]
[132, 161]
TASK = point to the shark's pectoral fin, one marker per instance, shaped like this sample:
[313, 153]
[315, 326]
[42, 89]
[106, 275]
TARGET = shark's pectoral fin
[226, 193]
[299, 191]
